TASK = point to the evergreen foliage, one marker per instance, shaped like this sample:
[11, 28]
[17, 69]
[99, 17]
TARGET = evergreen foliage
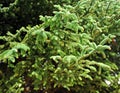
[76, 50]
[17, 13]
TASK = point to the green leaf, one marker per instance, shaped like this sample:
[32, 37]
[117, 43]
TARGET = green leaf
[56, 58]
[70, 58]
[73, 26]
[101, 48]
[21, 46]
[6, 54]
[102, 65]
[65, 86]
[92, 68]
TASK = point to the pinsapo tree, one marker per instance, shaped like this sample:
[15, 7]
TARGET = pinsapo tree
[75, 50]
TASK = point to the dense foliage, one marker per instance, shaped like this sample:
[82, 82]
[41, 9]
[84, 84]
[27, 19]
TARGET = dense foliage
[17, 13]
[75, 50]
